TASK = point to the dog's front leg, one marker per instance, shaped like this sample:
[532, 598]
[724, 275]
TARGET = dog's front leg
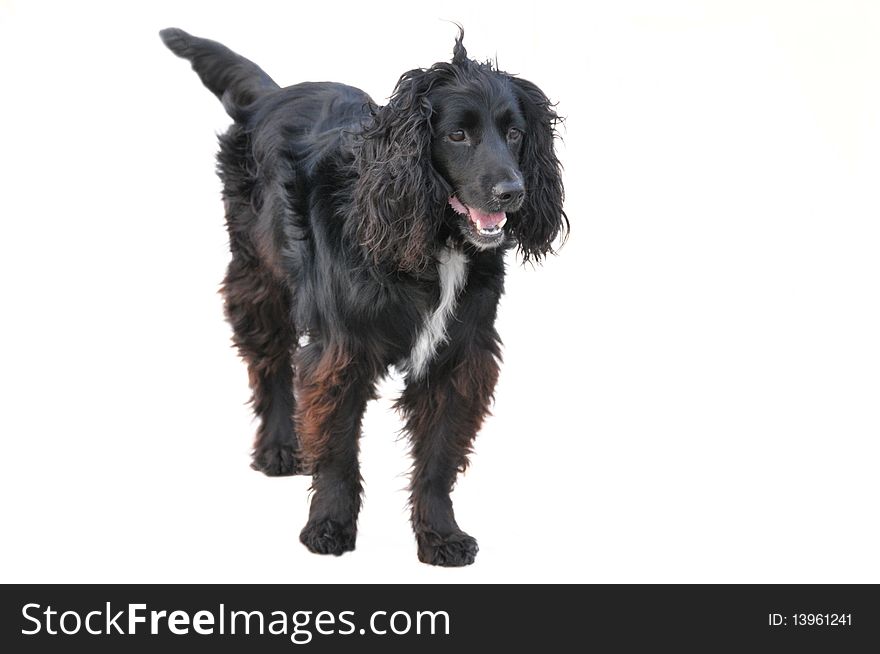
[333, 386]
[444, 409]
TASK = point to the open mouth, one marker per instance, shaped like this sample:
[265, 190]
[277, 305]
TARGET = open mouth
[485, 224]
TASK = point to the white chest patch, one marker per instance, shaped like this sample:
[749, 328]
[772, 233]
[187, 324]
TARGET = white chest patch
[452, 271]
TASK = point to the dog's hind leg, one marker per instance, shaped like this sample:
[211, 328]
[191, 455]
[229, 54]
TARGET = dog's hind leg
[258, 308]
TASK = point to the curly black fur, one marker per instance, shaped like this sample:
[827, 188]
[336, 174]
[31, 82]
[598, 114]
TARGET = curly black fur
[364, 237]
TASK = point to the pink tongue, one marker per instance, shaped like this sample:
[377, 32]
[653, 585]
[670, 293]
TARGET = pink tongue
[487, 219]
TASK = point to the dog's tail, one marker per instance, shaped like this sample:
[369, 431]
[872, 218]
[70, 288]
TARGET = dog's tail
[236, 81]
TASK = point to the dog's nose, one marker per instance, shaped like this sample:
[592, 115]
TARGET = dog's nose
[509, 192]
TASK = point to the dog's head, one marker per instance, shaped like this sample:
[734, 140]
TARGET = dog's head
[460, 151]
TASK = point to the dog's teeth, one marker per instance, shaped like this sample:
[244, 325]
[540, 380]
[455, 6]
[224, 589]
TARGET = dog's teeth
[502, 222]
[479, 224]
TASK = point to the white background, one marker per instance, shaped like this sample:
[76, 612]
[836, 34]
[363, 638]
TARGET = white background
[690, 392]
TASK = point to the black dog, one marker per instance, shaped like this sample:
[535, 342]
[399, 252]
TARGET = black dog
[364, 237]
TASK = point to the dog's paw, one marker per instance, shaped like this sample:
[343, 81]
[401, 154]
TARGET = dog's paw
[328, 537]
[278, 461]
[454, 550]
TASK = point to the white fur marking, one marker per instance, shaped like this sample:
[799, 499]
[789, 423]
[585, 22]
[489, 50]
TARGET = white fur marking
[452, 271]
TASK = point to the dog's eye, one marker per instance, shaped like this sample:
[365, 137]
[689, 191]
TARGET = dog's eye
[513, 134]
[457, 136]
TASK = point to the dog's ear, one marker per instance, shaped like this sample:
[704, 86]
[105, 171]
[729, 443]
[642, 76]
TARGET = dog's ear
[541, 219]
[399, 196]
